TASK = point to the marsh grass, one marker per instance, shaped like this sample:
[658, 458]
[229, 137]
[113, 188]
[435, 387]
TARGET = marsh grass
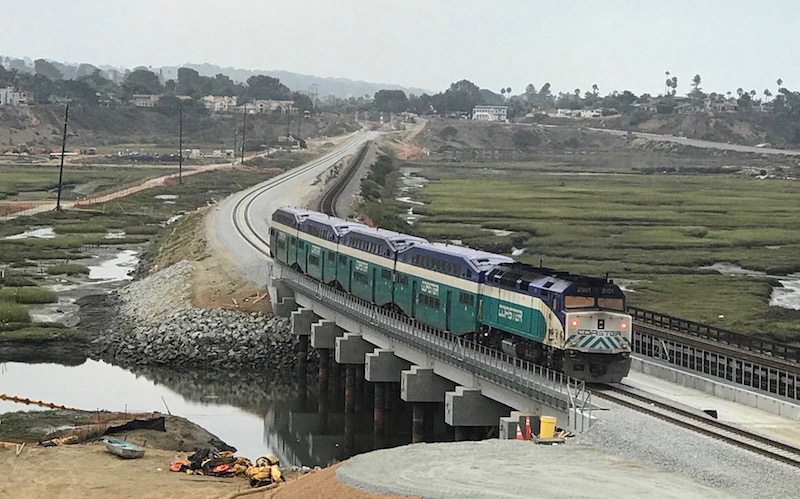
[68, 268]
[35, 333]
[27, 295]
[655, 228]
[13, 312]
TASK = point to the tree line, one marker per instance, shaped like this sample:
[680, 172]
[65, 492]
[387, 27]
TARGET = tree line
[89, 85]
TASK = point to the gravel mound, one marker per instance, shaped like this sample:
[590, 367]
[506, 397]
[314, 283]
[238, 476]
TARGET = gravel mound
[642, 439]
[155, 324]
[157, 296]
[512, 468]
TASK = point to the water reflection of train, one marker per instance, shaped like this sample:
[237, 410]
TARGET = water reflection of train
[568, 322]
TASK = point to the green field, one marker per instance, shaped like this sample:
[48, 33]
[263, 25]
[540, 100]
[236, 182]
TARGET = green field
[654, 231]
[41, 181]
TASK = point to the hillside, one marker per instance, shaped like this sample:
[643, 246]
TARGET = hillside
[42, 127]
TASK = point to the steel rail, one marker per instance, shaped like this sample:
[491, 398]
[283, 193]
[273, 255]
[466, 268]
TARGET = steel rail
[700, 423]
[327, 204]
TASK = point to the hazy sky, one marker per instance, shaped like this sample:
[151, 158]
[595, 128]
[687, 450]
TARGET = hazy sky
[617, 44]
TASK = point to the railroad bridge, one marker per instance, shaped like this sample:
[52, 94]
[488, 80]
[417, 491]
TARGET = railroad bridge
[476, 386]
[479, 387]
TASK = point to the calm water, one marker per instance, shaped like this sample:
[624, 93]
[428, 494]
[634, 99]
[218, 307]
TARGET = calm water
[241, 410]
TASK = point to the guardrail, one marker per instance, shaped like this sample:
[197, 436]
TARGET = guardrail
[741, 341]
[550, 387]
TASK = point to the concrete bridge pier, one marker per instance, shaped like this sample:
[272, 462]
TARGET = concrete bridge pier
[382, 369]
[349, 409]
[323, 338]
[467, 408]
[422, 388]
[323, 400]
[350, 351]
[301, 327]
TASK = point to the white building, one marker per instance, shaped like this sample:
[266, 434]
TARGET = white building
[219, 103]
[11, 97]
[490, 113]
[145, 100]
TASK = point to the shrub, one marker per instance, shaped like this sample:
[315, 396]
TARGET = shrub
[12, 312]
[31, 294]
[16, 281]
[68, 268]
[144, 230]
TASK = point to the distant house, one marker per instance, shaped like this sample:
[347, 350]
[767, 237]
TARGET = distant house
[11, 97]
[645, 106]
[219, 103]
[145, 100]
[726, 106]
[591, 113]
[564, 113]
[275, 106]
[490, 113]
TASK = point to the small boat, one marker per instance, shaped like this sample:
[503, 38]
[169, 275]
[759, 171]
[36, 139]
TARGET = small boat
[123, 449]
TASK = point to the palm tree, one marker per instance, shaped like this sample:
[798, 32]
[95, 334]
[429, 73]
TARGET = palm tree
[666, 83]
[508, 90]
[752, 93]
[595, 88]
[740, 92]
[729, 95]
[503, 92]
[767, 94]
[779, 82]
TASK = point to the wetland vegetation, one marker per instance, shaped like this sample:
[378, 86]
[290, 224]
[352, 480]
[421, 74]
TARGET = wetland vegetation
[653, 232]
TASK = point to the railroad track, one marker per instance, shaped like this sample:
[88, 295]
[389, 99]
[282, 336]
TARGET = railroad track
[242, 209]
[700, 423]
[327, 204]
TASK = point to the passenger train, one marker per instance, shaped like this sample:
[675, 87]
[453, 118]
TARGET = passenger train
[567, 322]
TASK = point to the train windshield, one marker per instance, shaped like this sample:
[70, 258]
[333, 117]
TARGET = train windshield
[589, 302]
[578, 301]
[611, 303]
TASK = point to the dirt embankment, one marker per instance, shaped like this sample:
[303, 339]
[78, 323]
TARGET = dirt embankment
[216, 282]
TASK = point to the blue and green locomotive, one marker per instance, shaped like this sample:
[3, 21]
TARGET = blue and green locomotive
[573, 323]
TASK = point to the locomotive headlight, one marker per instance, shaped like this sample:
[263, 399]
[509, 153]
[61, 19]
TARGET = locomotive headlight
[624, 326]
[574, 323]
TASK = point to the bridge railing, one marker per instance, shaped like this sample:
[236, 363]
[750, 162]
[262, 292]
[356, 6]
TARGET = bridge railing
[551, 387]
[741, 341]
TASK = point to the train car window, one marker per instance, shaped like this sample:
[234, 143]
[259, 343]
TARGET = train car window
[386, 274]
[578, 301]
[611, 303]
[331, 257]
[358, 276]
[401, 279]
[342, 259]
[523, 285]
[313, 260]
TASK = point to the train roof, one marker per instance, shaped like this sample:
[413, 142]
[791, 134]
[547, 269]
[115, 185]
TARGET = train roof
[480, 261]
[396, 241]
[513, 275]
[293, 212]
[339, 226]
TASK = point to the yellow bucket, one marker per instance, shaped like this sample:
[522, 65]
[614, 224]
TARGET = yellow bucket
[547, 426]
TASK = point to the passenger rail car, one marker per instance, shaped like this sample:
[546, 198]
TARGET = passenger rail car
[574, 323]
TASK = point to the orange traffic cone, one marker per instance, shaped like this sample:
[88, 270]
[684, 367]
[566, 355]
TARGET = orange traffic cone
[519, 432]
[527, 427]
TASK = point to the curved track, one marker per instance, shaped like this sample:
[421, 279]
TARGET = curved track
[244, 214]
[700, 423]
[327, 204]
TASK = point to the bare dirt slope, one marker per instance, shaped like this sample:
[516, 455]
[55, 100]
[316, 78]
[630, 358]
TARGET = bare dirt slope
[216, 282]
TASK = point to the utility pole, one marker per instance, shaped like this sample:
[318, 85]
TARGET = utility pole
[180, 145]
[235, 142]
[63, 152]
[288, 122]
[244, 129]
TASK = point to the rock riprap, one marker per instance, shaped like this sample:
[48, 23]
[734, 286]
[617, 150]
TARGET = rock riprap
[156, 325]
